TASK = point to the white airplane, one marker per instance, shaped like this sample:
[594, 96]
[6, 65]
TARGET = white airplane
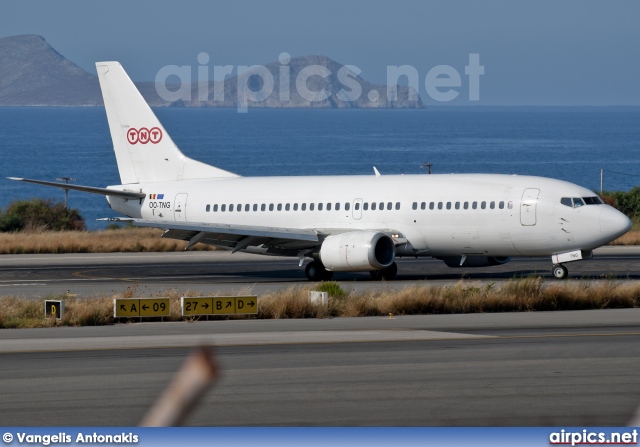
[342, 223]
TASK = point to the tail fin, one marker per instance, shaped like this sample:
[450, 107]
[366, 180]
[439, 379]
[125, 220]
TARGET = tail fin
[144, 151]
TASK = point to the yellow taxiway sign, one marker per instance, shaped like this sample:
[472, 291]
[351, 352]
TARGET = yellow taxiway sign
[219, 305]
[141, 307]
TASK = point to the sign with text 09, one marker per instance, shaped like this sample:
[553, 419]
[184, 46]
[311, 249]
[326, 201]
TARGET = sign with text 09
[141, 307]
[219, 305]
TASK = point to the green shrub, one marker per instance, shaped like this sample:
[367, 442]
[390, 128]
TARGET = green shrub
[627, 202]
[39, 214]
[332, 288]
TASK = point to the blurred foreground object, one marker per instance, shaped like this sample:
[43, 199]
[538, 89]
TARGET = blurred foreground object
[197, 374]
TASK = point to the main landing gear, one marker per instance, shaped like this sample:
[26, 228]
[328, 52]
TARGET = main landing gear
[386, 273]
[560, 271]
[315, 271]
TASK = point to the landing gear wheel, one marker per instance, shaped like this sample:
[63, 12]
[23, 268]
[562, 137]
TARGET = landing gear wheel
[560, 271]
[388, 273]
[315, 271]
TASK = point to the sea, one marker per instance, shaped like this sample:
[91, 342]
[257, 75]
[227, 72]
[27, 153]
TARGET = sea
[568, 143]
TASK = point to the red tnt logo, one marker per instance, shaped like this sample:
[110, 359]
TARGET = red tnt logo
[144, 135]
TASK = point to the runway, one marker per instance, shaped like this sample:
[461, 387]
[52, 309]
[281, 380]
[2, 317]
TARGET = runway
[89, 274]
[559, 368]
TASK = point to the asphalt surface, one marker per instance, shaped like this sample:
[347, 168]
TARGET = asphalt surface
[559, 368]
[89, 274]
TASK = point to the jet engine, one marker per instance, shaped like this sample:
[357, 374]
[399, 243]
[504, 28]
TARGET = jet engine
[357, 251]
[476, 261]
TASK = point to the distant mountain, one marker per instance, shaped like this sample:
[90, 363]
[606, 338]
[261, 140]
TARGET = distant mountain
[32, 73]
[339, 92]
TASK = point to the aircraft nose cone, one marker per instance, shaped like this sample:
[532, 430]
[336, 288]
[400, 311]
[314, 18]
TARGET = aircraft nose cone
[613, 223]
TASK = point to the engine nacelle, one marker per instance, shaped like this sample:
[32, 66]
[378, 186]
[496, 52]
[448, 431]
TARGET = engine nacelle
[476, 261]
[357, 251]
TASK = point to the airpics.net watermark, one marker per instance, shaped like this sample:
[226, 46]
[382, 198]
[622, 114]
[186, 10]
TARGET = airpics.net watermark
[257, 83]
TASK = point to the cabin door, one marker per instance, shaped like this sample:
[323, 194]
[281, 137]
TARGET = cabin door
[180, 207]
[357, 209]
[528, 207]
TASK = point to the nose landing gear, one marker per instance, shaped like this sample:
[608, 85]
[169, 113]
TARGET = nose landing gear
[560, 271]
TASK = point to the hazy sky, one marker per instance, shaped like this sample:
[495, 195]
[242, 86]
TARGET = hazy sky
[534, 53]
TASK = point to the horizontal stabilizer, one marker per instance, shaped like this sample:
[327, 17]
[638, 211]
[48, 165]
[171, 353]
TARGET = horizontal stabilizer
[91, 189]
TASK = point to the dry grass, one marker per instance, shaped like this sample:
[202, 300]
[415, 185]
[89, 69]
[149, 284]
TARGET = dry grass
[104, 241]
[631, 238]
[518, 295]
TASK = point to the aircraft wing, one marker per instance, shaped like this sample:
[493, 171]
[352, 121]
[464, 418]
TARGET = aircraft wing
[268, 240]
[235, 237]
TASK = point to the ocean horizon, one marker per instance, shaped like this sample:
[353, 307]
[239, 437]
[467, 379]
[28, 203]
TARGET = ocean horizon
[571, 143]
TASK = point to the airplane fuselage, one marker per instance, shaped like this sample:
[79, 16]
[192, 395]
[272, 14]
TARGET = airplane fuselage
[439, 215]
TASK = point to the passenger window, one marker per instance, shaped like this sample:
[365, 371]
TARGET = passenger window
[501, 205]
[457, 205]
[381, 206]
[474, 205]
[271, 207]
[304, 207]
[389, 205]
[231, 208]
[215, 208]
[365, 206]
[329, 206]
[311, 206]
[347, 206]
[466, 205]
[239, 207]
[439, 205]
[295, 207]
[263, 207]
[423, 206]
[431, 205]
[397, 206]
[208, 208]
[247, 207]
[287, 207]
[483, 205]
[357, 206]
[255, 207]
[373, 206]
[279, 206]
[223, 208]
[319, 206]
[492, 205]
[510, 205]
[448, 205]
[413, 207]
[337, 206]
[577, 202]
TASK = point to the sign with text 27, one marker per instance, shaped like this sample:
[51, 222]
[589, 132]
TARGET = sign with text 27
[219, 305]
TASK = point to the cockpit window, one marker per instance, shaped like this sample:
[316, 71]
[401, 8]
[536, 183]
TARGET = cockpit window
[566, 201]
[577, 202]
[593, 200]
